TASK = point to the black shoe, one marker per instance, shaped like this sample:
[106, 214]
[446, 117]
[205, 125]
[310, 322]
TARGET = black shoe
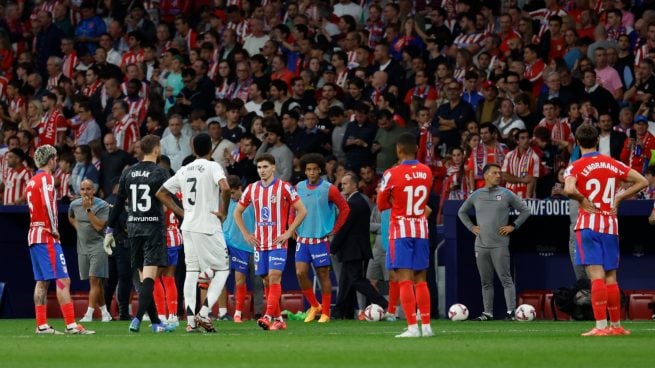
[484, 317]
[509, 316]
[225, 317]
[124, 317]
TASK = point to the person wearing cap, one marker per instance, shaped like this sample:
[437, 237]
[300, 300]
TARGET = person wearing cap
[639, 148]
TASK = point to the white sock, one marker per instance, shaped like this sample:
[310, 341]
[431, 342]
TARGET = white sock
[615, 324]
[172, 316]
[413, 328]
[162, 317]
[89, 311]
[71, 325]
[222, 312]
[190, 282]
[237, 313]
[214, 290]
[601, 324]
[103, 310]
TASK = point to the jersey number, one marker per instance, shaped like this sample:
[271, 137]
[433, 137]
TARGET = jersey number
[140, 202]
[415, 199]
[192, 191]
[594, 186]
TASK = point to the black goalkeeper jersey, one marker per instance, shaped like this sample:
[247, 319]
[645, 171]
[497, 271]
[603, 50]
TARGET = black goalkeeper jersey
[138, 186]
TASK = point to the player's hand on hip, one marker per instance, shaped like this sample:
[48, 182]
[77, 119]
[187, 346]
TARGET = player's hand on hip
[55, 235]
[282, 238]
[476, 230]
[588, 206]
[221, 216]
[252, 240]
[109, 243]
[505, 230]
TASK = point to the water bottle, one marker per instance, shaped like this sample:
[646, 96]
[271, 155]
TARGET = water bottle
[638, 150]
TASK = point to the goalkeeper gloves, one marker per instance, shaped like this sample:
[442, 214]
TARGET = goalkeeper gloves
[109, 242]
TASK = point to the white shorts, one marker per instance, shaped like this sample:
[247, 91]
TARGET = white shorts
[203, 251]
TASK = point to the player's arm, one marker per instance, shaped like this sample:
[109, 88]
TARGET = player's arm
[50, 204]
[225, 199]
[238, 220]
[71, 218]
[524, 212]
[97, 222]
[638, 181]
[651, 218]
[301, 212]
[119, 206]
[384, 200]
[166, 198]
[342, 206]
[464, 216]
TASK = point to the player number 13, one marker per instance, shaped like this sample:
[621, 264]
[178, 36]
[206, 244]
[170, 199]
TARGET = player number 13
[415, 199]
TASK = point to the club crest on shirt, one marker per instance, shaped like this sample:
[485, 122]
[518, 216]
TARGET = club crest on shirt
[499, 197]
[273, 199]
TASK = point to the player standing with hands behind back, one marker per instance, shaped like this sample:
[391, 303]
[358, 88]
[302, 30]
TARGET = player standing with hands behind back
[48, 262]
[593, 181]
[204, 243]
[271, 199]
[146, 227]
[405, 190]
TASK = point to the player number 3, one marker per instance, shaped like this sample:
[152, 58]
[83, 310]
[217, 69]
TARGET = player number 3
[415, 199]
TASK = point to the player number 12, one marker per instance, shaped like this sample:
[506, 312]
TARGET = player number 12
[415, 199]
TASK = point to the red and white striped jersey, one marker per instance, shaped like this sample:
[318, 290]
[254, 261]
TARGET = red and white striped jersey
[543, 15]
[463, 40]
[5, 167]
[88, 91]
[138, 108]
[15, 184]
[51, 125]
[271, 204]
[143, 93]
[63, 189]
[534, 72]
[17, 106]
[52, 82]
[3, 88]
[521, 165]
[126, 132]
[241, 29]
[404, 188]
[560, 130]
[42, 201]
[598, 178]
[70, 62]
[643, 52]
[132, 57]
[173, 233]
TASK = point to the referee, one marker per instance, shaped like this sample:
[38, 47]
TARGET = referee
[492, 204]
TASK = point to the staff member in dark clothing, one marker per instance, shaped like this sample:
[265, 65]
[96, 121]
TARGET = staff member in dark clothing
[352, 246]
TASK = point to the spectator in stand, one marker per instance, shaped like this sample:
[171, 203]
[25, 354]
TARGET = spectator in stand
[358, 139]
[452, 116]
[274, 145]
[489, 151]
[384, 142]
[508, 119]
[86, 129]
[125, 128]
[48, 41]
[177, 145]
[610, 141]
[520, 169]
[639, 147]
[16, 179]
[601, 98]
[83, 169]
[113, 161]
[62, 176]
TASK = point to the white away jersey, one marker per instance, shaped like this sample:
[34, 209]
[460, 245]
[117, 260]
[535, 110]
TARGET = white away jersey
[198, 182]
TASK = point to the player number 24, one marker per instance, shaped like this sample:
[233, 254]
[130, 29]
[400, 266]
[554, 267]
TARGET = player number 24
[416, 196]
[140, 202]
[594, 186]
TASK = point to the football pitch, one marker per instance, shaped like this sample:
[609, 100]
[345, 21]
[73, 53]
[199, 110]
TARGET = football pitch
[336, 344]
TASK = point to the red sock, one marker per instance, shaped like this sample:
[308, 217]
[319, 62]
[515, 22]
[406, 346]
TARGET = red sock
[394, 294]
[240, 296]
[171, 294]
[311, 298]
[69, 313]
[41, 315]
[599, 299]
[408, 301]
[159, 297]
[614, 302]
[423, 301]
[267, 291]
[273, 300]
[326, 299]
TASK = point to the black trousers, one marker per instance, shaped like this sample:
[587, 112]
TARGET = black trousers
[351, 280]
[120, 278]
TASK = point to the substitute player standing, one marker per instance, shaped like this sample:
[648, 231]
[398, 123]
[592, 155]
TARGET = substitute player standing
[145, 227]
[593, 181]
[271, 199]
[405, 190]
[204, 243]
[321, 200]
[48, 262]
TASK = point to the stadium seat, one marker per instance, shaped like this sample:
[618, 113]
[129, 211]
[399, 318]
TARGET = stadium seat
[534, 298]
[246, 313]
[80, 302]
[638, 305]
[292, 301]
[551, 312]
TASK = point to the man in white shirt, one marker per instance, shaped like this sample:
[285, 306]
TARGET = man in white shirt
[176, 145]
[257, 38]
[347, 7]
[204, 243]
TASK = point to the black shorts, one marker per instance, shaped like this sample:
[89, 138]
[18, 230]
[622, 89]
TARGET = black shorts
[148, 250]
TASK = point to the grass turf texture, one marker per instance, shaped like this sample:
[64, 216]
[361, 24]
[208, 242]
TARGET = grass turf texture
[336, 344]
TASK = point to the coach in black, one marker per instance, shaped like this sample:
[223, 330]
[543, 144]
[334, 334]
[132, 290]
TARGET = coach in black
[145, 226]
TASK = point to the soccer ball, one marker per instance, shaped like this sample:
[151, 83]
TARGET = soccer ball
[373, 313]
[525, 313]
[458, 312]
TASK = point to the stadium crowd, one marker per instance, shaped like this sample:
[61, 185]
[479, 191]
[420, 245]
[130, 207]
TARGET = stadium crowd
[477, 82]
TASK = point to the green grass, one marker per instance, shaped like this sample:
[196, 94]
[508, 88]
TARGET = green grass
[339, 343]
